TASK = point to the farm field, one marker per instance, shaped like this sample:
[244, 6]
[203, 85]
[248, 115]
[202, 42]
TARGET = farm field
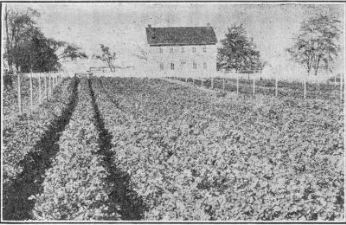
[138, 148]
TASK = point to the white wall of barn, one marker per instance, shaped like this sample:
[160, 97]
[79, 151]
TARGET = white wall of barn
[179, 60]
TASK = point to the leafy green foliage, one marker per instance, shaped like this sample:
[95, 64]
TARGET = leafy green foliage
[73, 52]
[190, 155]
[27, 48]
[21, 133]
[76, 187]
[317, 44]
[195, 157]
[237, 52]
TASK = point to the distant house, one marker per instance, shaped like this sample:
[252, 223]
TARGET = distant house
[182, 51]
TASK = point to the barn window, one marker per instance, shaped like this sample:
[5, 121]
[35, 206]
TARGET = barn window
[161, 50]
[193, 49]
[205, 65]
[161, 66]
[194, 65]
[204, 48]
[171, 50]
[172, 66]
[183, 62]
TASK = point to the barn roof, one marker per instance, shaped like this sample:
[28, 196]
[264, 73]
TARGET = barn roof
[157, 36]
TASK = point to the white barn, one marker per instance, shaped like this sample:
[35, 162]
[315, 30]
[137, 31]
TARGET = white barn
[181, 51]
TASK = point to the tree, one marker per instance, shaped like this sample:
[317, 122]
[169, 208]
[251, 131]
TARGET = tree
[36, 54]
[238, 52]
[316, 46]
[107, 56]
[73, 52]
[17, 27]
[27, 47]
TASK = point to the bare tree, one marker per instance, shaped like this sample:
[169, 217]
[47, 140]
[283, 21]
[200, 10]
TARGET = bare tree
[107, 56]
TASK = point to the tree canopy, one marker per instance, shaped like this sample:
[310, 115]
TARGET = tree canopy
[316, 46]
[238, 52]
[27, 48]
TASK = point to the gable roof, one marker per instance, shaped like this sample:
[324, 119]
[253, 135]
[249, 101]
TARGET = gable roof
[157, 36]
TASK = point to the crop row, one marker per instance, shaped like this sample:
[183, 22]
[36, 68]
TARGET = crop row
[195, 156]
[76, 186]
[21, 136]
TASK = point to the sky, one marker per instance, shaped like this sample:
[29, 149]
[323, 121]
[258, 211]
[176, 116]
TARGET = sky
[121, 26]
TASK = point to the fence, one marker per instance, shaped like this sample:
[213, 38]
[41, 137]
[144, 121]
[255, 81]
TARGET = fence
[254, 84]
[38, 87]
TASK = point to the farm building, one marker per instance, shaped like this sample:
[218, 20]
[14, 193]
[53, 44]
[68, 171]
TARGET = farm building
[181, 51]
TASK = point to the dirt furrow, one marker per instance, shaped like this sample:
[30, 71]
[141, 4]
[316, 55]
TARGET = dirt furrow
[131, 206]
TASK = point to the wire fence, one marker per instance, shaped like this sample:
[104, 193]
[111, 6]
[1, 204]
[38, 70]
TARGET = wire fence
[253, 85]
[27, 91]
[246, 84]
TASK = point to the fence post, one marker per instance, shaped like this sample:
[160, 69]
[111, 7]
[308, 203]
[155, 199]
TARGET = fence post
[39, 89]
[276, 85]
[212, 82]
[193, 81]
[48, 86]
[341, 84]
[51, 86]
[237, 84]
[31, 97]
[223, 84]
[45, 85]
[254, 86]
[304, 84]
[19, 94]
